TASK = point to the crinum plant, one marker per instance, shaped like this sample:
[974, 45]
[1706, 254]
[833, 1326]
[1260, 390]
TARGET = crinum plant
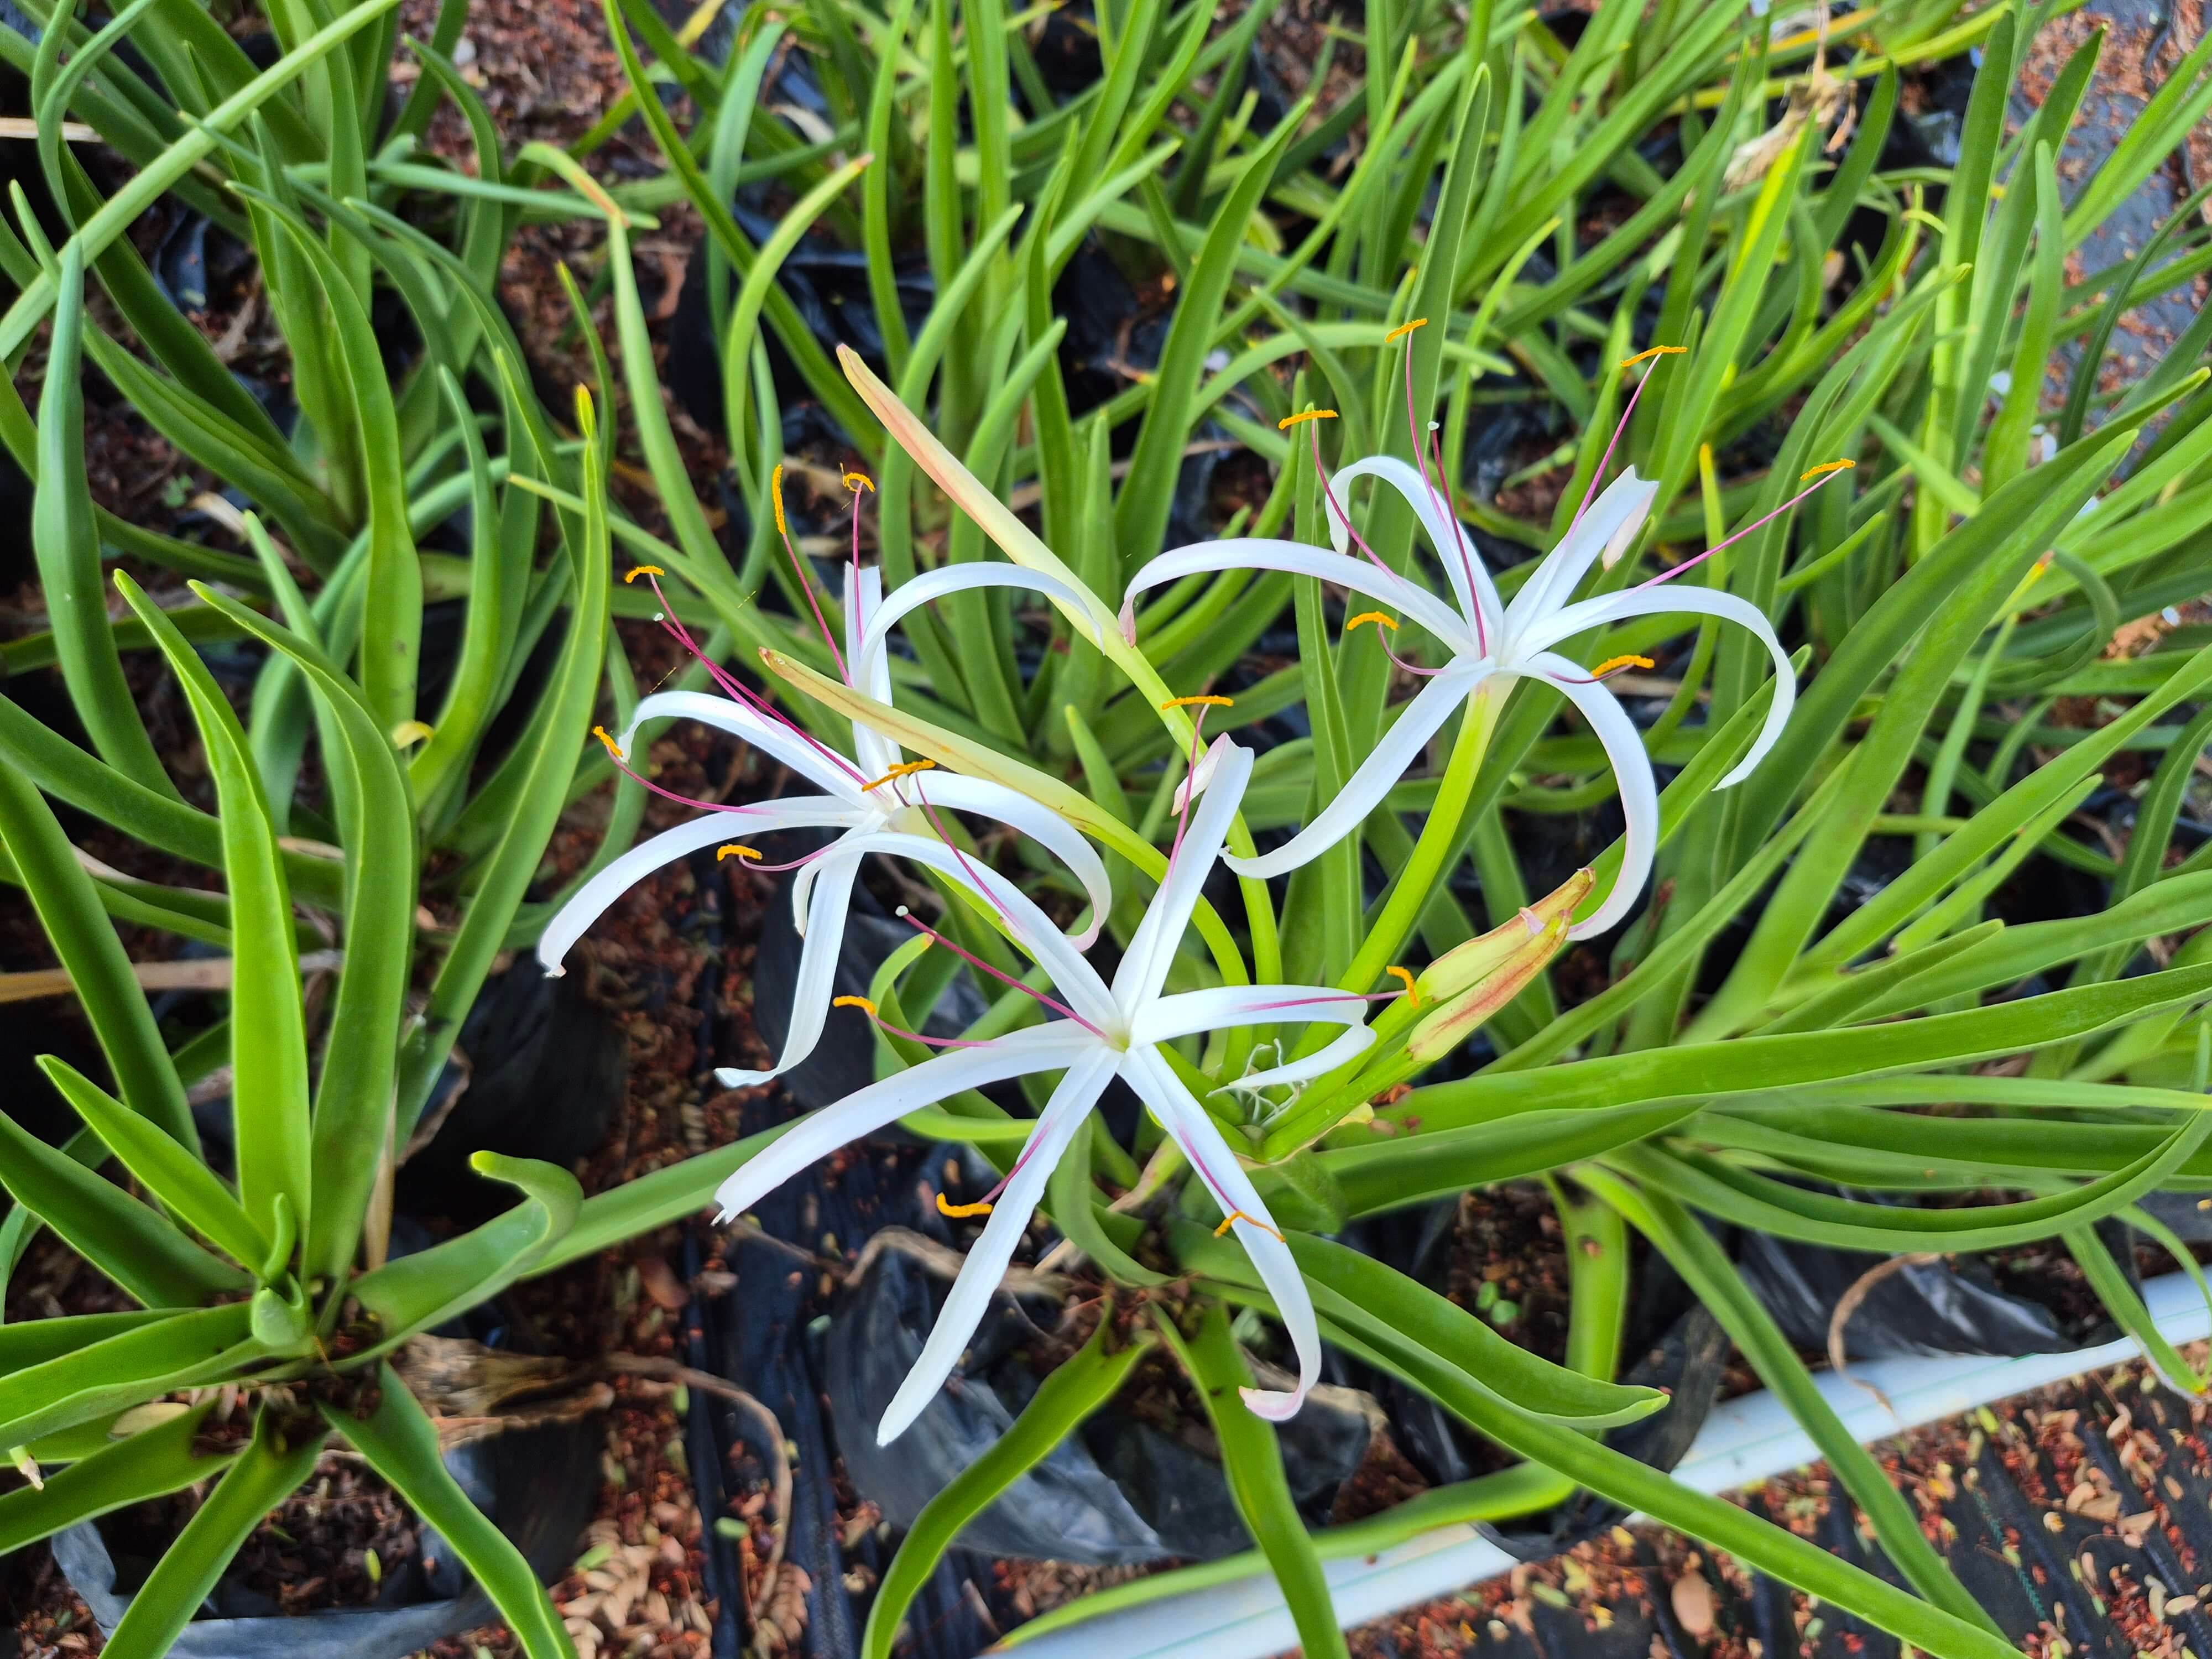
[273, 1280]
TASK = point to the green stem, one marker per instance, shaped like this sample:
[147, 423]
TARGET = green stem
[1401, 912]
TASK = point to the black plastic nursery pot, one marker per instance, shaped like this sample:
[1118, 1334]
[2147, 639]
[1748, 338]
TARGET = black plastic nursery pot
[537, 1485]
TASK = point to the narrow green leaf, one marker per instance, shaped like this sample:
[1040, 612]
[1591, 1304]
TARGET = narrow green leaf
[1078, 1387]
[131, 1243]
[401, 1444]
[183, 1184]
[269, 1044]
[281, 1456]
[1253, 1459]
[149, 1464]
[142, 1362]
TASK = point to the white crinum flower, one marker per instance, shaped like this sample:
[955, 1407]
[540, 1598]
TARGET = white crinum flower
[880, 806]
[1490, 639]
[1103, 1030]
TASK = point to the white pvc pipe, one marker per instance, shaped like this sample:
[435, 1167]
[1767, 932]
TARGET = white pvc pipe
[1744, 1440]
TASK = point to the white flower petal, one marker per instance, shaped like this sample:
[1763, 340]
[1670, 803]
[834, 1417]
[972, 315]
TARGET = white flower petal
[1606, 530]
[1455, 548]
[862, 1113]
[1259, 553]
[935, 584]
[574, 919]
[1039, 822]
[1386, 763]
[827, 903]
[870, 670]
[817, 764]
[1224, 1006]
[1701, 601]
[988, 1258]
[1077, 981]
[1194, 784]
[1144, 969]
[1632, 773]
[1185, 1120]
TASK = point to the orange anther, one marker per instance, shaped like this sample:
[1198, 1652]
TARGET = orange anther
[962, 1211]
[1611, 663]
[1290, 421]
[1375, 616]
[644, 570]
[1826, 466]
[1655, 351]
[1196, 702]
[1404, 328]
[600, 732]
[1406, 974]
[904, 769]
[736, 850]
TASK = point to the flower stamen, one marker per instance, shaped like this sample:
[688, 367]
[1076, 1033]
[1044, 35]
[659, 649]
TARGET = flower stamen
[1614, 664]
[1413, 991]
[903, 769]
[1404, 328]
[798, 569]
[632, 574]
[1290, 421]
[1826, 467]
[1653, 351]
[963, 1211]
[1375, 616]
[736, 849]
[1236, 1216]
[973, 960]
[600, 732]
[856, 482]
[862, 1003]
[1208, 701]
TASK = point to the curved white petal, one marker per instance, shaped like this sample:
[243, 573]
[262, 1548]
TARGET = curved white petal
[1703, 602]
[1464, 566]
[988, 1258]
[1185, 1120]
[1035, 1048]
[1191, 1012]
[827, 902]
[1385, 764]
[800, 752]
[574, 919]
[1144, 968]
[1260, 553]
[1194, 783]
[1077, 981]
[935, 584]
[1036, 820]
[876, 753]
[1606, 529]
[1631, 772]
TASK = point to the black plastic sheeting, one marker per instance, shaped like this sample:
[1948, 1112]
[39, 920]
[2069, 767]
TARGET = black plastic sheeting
[538, 1484]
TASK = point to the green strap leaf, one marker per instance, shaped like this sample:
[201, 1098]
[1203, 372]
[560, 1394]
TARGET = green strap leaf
[183, 1184]
[278, 1458]
[69, 906]
[353, 1105]
[268, 1038]
[149, 1358]
[135, 1246]
[160, 1459]
[417, 1291]
[67, 543]
[401, 1444]
[1076, 1388]
[1253, 1461]
[1713, 1279]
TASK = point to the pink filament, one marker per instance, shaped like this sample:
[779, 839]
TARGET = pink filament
[920, 925]
[1668, 575]
[1444, 511]
[806, 587]
[1604, 460]
[737, 691]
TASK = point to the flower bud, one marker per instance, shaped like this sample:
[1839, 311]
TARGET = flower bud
[1486, 980]
[1470, 965]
